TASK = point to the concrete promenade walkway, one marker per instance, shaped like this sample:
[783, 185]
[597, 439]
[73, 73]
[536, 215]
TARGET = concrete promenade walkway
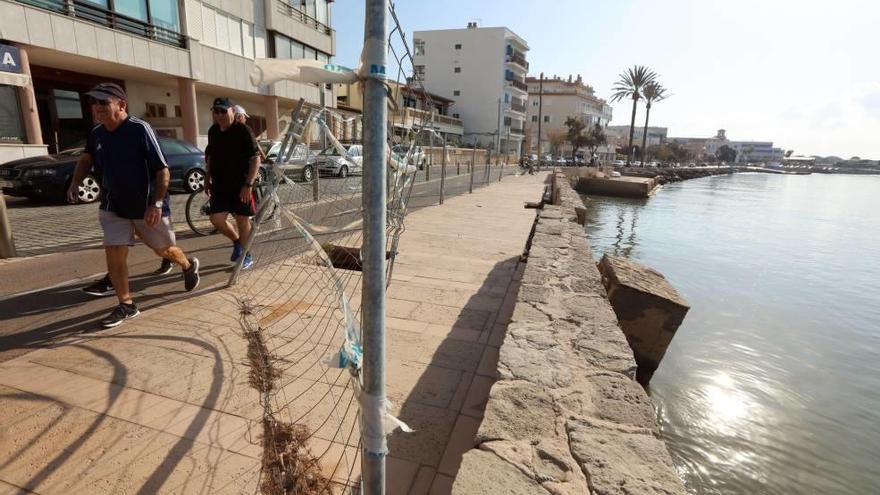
[162, 403]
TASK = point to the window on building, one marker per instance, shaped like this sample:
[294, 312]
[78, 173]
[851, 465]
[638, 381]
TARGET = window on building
[409, 102]
[177, 111]
[457, 70]
[506, 97]
[534, 103]
[11, 128]
[419, 72]
[456, 116]
[164, 14]
[456, 93]
[67, 104]
[534, 118]
[506, 120]
[136, 9]
[546, 118]
[458, 46]
[155, 110]
[419, 47]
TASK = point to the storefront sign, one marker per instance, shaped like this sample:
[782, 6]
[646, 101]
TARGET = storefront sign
[10, 59]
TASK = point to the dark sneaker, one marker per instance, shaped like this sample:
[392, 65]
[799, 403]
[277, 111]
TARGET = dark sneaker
[191, 276]
[120, 313]
[100, 288]
[237, 249]
[248, 262]
[164, 268]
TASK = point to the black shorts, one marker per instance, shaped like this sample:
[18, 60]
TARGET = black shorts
[231, 203]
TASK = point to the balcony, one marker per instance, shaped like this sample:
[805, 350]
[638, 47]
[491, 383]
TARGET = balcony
[518, 85]
[413, 117]
[518, 106]
[296, 14]
[519, 59]
[514, 131]
[90, 12]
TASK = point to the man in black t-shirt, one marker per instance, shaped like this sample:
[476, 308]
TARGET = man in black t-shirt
[233, 159]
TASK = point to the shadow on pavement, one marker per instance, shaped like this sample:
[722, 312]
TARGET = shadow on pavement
[445, 414]
[33, 320]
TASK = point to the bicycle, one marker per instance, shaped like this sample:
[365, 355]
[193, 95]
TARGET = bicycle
[198, 215]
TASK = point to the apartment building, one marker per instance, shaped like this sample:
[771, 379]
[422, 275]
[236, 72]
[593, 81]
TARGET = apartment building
[483, 70]
[171, 56]
[551, 101]
[618, 135]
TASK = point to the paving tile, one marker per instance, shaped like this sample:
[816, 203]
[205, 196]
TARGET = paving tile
[489, 362]
[475, 402]
[423, 481]
[399, 476]
[462, 439]
[442, 485]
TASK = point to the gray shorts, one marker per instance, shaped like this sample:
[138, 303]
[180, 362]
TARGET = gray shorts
[120, 231]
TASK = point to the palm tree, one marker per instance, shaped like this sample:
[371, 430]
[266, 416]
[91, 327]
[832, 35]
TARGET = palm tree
[630, 85]
[654, 91]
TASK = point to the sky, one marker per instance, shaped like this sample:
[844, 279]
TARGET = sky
[805, 75]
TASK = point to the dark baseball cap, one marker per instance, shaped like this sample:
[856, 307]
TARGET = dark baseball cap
[222, 103]
[104, 91]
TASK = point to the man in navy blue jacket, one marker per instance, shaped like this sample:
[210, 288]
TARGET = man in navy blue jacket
[134, 180]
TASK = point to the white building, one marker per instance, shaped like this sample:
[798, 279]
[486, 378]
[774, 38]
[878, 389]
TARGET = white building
[483, 70]
[746, 151]
[171, 56]
[551, 101]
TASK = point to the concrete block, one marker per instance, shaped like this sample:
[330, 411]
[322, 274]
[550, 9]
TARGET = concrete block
[648, 308]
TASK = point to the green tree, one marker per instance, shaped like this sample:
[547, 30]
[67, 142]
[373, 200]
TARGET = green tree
[594, 138]
[575, 134]
[653, 92]
[661, 152]
[630, 85]
[726, 154]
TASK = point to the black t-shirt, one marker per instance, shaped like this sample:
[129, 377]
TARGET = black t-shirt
[229, 154]
[127, 160]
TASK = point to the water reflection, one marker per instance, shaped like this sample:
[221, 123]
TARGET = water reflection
[770, 386]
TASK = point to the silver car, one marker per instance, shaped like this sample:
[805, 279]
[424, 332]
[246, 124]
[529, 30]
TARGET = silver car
[330, 162]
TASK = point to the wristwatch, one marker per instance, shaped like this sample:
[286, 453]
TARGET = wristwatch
[158, 204]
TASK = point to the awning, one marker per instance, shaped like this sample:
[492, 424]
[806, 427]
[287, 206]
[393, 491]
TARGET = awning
[13, 79]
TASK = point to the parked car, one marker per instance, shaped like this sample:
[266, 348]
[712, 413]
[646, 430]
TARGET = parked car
[418, 157]
[618, 163]
[299, 167]
[330, 162]
[48, 177]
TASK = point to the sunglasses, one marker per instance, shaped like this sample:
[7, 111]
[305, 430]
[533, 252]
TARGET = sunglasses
[220, 110]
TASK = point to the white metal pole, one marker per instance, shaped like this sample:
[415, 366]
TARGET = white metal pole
[373, 249]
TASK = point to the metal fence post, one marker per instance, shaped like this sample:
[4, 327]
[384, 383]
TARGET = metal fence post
[472, 168]
[373, 249]
[7, 246]
[443, 171]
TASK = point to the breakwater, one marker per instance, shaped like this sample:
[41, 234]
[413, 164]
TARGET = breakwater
[667, 175]
[566, 416]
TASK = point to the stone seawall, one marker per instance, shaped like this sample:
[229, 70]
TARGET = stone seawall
[566, 416]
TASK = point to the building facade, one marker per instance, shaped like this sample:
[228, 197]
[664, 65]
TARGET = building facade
[619, 135]
[746, 151]
[552, 101]
[413, 107]
[171, 56]
[483, 70]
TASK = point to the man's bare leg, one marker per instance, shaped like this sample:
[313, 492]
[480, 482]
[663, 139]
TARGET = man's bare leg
[222, 226]
[244, 228]
[117, 265]
[174, 254]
